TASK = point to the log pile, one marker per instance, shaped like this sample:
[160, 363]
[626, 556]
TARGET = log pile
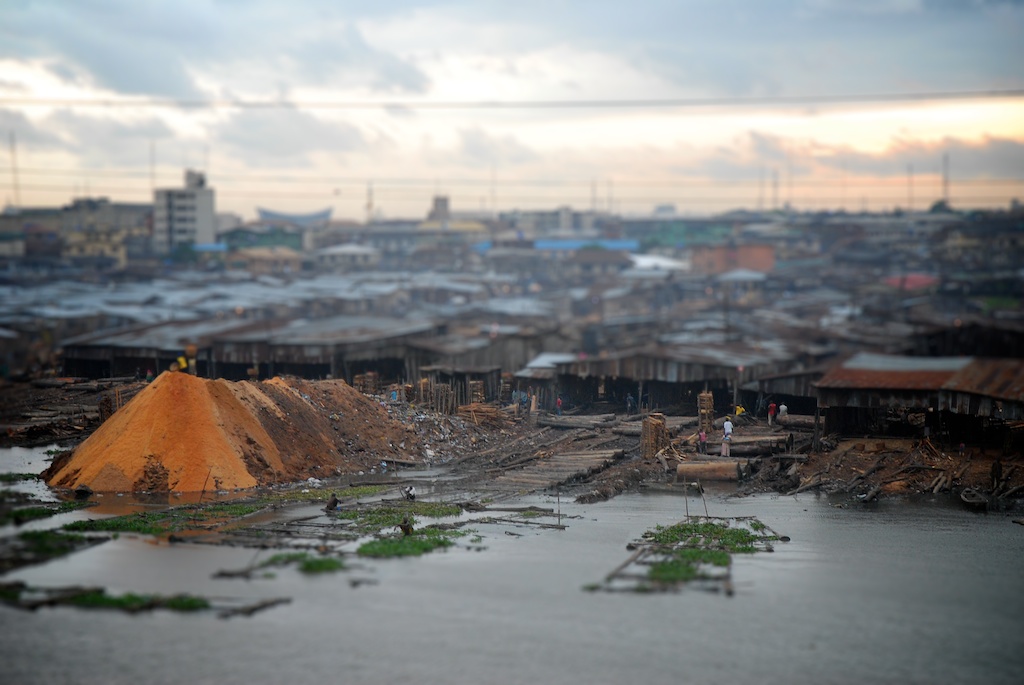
[595, 421]
[653, 435]
[481, 414]
[706, 411]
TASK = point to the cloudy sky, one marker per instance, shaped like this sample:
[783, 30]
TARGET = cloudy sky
[708, 105]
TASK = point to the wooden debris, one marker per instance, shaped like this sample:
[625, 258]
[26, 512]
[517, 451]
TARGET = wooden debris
[251, 609]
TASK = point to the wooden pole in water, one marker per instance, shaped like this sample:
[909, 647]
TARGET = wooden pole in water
[686, 498]
[706, 515]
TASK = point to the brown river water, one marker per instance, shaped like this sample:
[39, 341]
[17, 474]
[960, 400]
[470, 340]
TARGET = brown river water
[903, 591]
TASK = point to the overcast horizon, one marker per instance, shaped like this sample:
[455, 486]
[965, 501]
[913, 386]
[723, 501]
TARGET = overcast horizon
[707, 106]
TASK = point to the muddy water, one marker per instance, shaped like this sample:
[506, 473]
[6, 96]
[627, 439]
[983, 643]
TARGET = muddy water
[902, 592]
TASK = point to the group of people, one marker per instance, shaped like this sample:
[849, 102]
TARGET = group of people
[775, 410]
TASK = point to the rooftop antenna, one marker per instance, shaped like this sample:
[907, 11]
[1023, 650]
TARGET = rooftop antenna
[152, 166]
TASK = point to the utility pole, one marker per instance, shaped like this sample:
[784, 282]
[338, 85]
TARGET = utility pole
[945, 178]
[760, 189]
[14, 171]
[369, 202]
[910, 188]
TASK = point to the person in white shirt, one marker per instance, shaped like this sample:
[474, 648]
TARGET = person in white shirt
[726, 436]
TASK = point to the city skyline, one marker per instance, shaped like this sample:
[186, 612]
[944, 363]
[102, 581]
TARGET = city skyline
[373, 110]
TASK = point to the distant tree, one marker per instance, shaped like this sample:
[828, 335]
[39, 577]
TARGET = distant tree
[940, 207]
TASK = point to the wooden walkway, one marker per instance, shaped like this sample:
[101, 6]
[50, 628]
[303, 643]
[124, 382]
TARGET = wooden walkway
[556, 469]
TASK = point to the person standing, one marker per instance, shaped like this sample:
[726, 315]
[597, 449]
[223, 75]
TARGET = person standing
[558, 406]
[630, 404]
[726, 437]
[702, 441]
[772, 408]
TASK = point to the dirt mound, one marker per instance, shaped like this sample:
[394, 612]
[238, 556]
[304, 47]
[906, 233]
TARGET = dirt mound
[183, 433]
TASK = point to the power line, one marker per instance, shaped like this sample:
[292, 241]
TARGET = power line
[628, 103]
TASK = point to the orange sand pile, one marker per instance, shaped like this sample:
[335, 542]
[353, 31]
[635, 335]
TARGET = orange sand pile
[183, 433]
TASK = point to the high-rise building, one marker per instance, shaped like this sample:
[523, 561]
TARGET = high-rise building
[184, 216]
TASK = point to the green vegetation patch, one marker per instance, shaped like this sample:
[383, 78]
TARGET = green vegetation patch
[419, 543]
[697, 549]
[709, 534]
[46, 544]
[19, 516]
[36, 546]
[379, 518]
[17, 477]
[307, 562]
[99, 599]
[143, 523]
[169, 521]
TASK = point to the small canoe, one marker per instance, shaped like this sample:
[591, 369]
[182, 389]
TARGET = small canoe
[973, 499]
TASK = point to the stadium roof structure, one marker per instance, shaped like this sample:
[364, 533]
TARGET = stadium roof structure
[315, 220]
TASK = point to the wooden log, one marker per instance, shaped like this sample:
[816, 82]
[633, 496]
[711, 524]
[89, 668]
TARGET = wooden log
[796, 421]
[600, 421]
[872, 493]
[630, 429]
[708, 470]
[814, 482]
[1011, 492]
[251, 609]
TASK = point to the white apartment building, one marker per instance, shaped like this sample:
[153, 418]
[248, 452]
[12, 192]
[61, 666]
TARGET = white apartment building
[184, 216]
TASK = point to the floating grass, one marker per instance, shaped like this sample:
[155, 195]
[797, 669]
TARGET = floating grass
[143, 523]
[50, 543]
[99, 599]
[419, 543]
[379, 518]
[306, 562]
[19, 516]
[17, 477]
[313, 565]
[170, 521]
[691, 551]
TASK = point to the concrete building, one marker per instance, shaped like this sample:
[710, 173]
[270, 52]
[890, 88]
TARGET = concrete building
[184, 216]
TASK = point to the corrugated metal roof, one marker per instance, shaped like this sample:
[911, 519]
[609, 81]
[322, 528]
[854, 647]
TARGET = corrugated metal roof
[999, 378]
[862, 379]
[891, 362]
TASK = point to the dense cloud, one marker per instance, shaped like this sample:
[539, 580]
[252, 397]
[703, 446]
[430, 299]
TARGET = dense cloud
[316, 51]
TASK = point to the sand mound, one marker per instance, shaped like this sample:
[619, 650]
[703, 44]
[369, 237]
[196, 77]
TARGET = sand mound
[183, 433]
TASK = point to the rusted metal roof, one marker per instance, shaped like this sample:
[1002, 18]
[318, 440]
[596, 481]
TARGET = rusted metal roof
[892, 372]
[999, 378]
[996, 378]
[861, 379]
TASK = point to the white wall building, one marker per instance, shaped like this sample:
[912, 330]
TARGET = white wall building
[184, 216]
